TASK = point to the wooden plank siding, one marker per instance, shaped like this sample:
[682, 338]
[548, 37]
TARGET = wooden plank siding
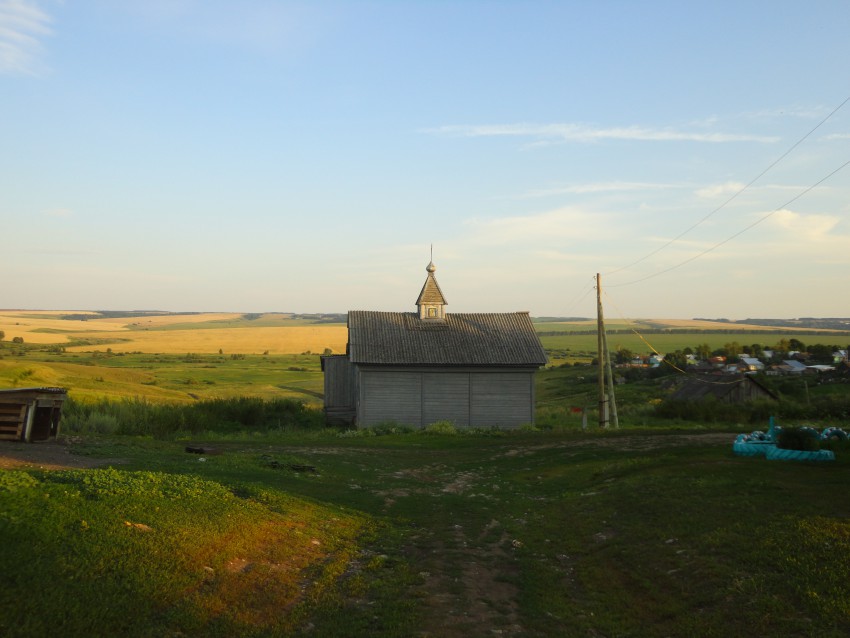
[445, 397]
[466, 398]
[339, 386]
[12, 419]
[390, 396]
[503, 399]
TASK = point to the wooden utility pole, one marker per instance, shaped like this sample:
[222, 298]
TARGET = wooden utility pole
[612, 400]
[600, 356]
[607, 402]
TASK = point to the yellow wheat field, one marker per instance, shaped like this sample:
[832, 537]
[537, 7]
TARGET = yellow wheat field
[288, 340]
[26, 324]
[154, 322]
[147, 334]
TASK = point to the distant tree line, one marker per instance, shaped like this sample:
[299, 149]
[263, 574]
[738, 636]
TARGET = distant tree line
[121, 314]
[732, 351]
[823, 323]
[689, 331]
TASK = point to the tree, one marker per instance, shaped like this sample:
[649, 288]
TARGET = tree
[676, 359]
[733, 349]
[2, 335]
[671, 364]
[796, 344]
[782, 346]
[703, 351]
[822, 353]
[624, 355]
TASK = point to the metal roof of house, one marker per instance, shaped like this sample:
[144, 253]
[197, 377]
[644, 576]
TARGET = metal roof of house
[474, 339]
[700, 387]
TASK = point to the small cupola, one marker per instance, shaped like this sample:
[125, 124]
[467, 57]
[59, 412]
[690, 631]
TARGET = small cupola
[431, 304]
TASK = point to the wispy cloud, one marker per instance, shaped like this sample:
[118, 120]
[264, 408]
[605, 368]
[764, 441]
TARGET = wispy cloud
[583, 133]
[262, 26]
[811, 228]
[804, 112]
[600, 187]
[561, 224]
[837, 136]
[716, 190]
[730, 188]
[22, 25]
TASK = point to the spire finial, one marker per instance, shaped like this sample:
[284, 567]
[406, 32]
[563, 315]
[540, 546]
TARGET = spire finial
[431, 267]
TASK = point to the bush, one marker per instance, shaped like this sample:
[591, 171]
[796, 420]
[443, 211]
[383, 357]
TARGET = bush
[138, 417]
[94, 423]
[710, 410]
[389, 427]
[440, 427]
[802, 439]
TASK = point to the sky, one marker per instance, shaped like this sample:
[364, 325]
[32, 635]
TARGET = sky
[273, 156]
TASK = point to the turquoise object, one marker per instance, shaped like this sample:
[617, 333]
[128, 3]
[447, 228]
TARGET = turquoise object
[758, 443]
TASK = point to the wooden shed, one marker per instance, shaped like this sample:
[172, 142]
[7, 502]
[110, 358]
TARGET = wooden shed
[30, 414]
[724, 388]
[416, 368]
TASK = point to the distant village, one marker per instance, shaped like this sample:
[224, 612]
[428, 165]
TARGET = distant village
[772, 362]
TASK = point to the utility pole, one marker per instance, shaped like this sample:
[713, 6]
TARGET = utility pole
[612, 399]
[607, 402]
[600, 357]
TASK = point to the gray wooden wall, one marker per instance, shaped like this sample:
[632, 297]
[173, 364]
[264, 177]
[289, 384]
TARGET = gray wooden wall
[340, 393]
[476, 398]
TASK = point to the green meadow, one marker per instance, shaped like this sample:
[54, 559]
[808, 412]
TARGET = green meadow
[274, 525]
[325, 533]
[562, 346]
[170, 378]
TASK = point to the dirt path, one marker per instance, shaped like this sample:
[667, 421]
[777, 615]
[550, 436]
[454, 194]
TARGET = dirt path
[47, 455]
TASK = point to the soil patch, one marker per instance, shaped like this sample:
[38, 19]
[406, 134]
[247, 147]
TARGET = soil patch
[47, 455]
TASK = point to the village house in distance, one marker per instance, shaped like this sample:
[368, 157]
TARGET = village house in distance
[417, 368]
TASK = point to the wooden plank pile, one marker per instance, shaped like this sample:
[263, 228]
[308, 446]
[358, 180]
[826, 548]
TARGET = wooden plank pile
[30, 414]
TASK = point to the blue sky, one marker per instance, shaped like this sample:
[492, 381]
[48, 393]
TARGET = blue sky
[254, 156]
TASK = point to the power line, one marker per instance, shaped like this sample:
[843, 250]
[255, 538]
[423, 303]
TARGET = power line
[731, 237]
[736, 194]
[663, 357]
[578, 299]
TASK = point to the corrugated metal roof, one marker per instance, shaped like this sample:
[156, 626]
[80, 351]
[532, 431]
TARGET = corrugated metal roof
[402, 338]
[700, 386]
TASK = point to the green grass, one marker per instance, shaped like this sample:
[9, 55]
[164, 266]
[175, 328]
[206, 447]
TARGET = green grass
[168, 378]
[583, 347]
[638, 534]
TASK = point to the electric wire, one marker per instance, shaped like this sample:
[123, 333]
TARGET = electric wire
[737, 234]
[578, 299]
[736, 194]
[663, 358]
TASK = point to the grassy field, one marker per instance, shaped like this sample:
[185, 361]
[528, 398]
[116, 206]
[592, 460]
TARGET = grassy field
[204, 333]
[281, 334]
[173, 358]
[303, 531]
[167, 377]
[582, 347]
[564, 341]
[324, 534]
